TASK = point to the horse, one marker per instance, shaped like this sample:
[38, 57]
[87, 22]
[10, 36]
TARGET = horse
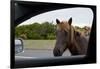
[68, 38]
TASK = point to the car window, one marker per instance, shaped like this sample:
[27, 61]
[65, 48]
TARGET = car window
[58, 33]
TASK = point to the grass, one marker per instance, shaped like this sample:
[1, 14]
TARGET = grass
[39, 44]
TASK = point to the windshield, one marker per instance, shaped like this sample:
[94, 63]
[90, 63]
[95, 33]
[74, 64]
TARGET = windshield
[41, 36]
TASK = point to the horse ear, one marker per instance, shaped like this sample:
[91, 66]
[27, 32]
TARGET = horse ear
[57, 21]
[70, 21]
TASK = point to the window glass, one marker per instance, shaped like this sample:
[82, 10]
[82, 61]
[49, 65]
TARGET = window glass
[57, 33]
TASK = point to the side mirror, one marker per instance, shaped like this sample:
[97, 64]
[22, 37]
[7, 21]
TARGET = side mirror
[18, 46]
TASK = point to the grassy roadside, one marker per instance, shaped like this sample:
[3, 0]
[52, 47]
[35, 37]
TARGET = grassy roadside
[39, 44]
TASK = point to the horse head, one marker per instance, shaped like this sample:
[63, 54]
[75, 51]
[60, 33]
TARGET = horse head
[63, 36]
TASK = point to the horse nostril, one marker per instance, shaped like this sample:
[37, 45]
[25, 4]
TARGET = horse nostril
[56, 52]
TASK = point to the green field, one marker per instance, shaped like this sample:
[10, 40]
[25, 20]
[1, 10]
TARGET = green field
[39, 44]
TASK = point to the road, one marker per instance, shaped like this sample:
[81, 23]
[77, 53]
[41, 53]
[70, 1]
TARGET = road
[29, 53]
[40, 53]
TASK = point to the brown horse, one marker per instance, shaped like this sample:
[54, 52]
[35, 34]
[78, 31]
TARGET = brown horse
[68, 38]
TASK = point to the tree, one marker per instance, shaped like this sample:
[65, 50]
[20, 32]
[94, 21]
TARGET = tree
[36, 30]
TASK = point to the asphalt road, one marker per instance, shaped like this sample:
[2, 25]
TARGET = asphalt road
[28, 53]
[39, 53]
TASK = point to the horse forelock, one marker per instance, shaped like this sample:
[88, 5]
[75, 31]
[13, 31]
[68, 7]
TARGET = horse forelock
[63, 26]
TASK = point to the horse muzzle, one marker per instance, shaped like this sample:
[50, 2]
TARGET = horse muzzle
[57, 52]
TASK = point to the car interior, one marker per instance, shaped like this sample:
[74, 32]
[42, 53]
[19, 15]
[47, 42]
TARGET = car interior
[24, 10]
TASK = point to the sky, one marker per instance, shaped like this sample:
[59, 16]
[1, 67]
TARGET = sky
[80, 16]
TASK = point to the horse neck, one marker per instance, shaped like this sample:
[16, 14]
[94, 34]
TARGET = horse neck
[77, 40]
[73, 44]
